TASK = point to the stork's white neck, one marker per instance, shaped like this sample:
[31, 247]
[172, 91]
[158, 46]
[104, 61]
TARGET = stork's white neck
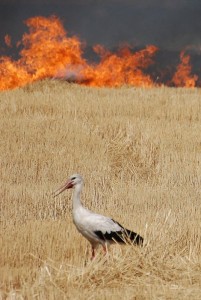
[76, 196]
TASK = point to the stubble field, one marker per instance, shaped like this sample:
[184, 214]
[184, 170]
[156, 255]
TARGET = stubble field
[139, 151]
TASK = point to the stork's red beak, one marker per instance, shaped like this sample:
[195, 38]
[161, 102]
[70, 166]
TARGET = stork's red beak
[67, 185]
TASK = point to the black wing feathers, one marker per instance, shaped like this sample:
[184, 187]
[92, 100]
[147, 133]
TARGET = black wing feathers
[134, 237]
[124, 236]
[112, 236]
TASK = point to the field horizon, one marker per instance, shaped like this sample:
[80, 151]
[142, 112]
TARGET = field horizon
[139, 152]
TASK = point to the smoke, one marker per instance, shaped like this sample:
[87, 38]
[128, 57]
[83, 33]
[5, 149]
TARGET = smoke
[171, 25]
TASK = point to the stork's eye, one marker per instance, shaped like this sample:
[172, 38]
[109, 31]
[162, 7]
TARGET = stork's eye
[73, 178]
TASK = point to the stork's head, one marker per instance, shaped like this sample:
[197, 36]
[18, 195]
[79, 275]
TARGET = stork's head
[73, 180]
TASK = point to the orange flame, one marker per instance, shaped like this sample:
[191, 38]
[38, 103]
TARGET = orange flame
[183, 77]
[48, 52]
[124, 67]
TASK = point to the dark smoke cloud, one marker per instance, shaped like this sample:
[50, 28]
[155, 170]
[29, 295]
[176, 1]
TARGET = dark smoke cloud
[168, 24]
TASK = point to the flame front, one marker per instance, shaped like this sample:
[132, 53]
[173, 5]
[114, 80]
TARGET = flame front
[48, 52]
[183, 77]
[124, 67]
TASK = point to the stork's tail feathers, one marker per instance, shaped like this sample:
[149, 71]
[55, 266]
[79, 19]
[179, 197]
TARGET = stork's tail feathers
[130, 236]
[133, 237]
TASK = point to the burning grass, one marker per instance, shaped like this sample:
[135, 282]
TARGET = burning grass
[139, 153]
[48, 52]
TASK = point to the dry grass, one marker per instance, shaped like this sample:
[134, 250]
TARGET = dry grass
[139, 151]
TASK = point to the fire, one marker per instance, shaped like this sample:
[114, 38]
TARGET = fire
[124, 67]
[183, 77]
[47, 51]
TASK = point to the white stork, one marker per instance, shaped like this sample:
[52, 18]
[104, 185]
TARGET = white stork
[96, 228]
